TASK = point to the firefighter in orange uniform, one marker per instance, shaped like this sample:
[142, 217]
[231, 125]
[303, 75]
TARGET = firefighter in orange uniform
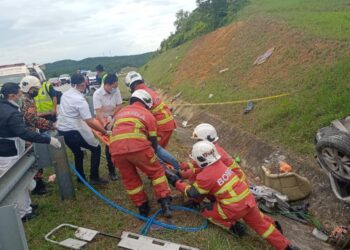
[132, 146]
[165, 120]
[207, 132]
[232, 197]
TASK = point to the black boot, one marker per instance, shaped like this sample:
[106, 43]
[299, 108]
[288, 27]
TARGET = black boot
[278, 226]
[40, 188]
[144, 209]
[165, 204]
[238, 229]
[291, 247]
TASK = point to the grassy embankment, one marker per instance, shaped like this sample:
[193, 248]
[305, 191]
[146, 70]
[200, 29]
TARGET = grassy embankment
[311, 61]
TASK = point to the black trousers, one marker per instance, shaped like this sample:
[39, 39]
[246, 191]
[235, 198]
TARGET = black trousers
[75, 142]
[110, 165]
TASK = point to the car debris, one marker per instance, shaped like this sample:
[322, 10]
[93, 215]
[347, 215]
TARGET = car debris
[248, 108]
[291, 184]
[177, 96]
[127, 240]
[263, 58]
[223, 70]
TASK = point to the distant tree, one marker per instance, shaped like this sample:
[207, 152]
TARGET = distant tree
[208, 16]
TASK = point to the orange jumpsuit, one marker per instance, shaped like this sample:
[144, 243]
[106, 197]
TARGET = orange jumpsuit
[131, 150]
[165, 120]
[233, 201]
[191, 169]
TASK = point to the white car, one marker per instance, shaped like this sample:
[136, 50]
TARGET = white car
[65, 78]
[15, 72]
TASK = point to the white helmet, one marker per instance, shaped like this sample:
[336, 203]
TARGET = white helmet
[132, 77]
[28, 82]
[205, 131]
[144, 97]
[204, 153]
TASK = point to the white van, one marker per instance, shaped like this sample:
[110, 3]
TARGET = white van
[15, 72]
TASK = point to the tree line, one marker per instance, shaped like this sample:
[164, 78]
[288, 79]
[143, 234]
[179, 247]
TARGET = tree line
[208, 16]
[110, 64]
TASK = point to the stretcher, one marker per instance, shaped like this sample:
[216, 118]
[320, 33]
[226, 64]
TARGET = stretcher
[103, 138]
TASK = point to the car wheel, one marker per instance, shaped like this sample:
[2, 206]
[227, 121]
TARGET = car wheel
[333, 152]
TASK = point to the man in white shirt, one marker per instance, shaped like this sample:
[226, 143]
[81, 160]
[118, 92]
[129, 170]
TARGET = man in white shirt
[74, 123]
[107, 102]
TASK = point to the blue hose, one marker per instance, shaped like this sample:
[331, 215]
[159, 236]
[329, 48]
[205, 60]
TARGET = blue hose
[149, 221]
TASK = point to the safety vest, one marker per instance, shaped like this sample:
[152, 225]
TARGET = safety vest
[104, 76]
[43, 101]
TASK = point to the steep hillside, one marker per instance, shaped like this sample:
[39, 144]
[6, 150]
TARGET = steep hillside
[310, 62]
[111, 64]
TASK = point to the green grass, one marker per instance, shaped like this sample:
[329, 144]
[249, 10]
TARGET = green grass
[323, 18]
[165, 65]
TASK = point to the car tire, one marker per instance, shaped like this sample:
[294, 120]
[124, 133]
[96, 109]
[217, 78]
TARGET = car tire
[333, 151]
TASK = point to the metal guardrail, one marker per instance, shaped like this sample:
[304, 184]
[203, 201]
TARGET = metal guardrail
[17, 177]
[15, 180]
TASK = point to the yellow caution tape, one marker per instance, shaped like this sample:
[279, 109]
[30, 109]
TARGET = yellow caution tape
[232, 102]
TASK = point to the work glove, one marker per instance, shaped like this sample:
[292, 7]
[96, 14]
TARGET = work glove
[55, 142]
[171, 176]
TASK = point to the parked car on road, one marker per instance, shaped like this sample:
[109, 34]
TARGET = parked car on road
[55, 81]
[65, 78]
[93, 84]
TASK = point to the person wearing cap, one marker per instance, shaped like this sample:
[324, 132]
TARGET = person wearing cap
[13, 134]
[30, 86]
[101, 74]
[107, 102]
[74, 124]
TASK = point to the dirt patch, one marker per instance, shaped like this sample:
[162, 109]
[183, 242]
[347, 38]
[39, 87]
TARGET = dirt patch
[205, 53]
[253, 151]
[239, 44]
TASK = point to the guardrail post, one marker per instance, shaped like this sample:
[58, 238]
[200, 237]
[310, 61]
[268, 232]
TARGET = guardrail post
[12, 234]
[64, 177]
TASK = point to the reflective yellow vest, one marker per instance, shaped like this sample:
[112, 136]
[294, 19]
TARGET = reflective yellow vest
[43, 101]
[104, 76]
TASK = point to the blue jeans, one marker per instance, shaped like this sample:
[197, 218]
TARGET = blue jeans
[166, 156]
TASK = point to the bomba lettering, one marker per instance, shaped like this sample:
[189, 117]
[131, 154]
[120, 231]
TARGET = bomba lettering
[225, 177]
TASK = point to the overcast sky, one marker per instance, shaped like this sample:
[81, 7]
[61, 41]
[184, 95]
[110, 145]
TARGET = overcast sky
[45, 31]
